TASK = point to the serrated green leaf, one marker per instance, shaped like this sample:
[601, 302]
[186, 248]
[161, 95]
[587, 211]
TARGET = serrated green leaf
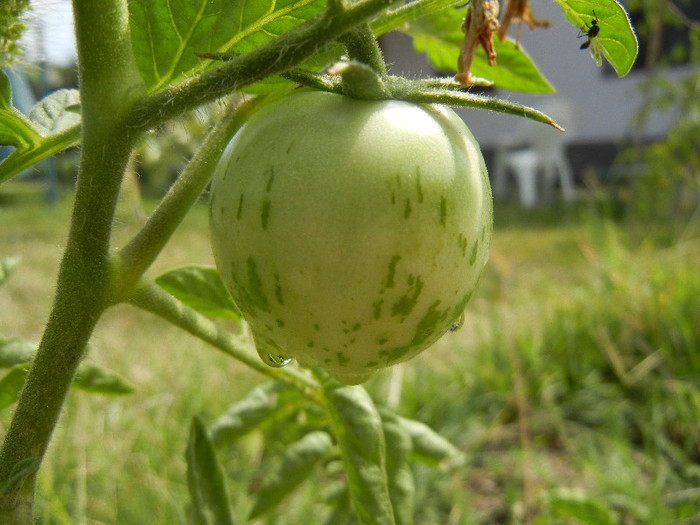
[7, 266]
[358, 429]
[616, 39]
[401, 483]
[166, 34]
[428, 446]
[11, 385]
[440, 36]
[15, 351]
[98, 380]
[200, 288]
[261, 405]
[206, 480]
[297, 464]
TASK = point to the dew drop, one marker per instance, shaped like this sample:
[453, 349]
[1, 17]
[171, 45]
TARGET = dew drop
[277, 361]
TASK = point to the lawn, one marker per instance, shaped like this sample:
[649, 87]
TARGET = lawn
[573, 387]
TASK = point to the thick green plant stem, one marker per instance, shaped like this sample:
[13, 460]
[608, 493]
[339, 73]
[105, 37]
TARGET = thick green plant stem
[151, 298]
[361, 45]
[110, 84]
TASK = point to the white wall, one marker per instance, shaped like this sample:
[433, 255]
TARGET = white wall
[604, 104]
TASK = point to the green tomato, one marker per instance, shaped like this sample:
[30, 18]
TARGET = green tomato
[350, 233]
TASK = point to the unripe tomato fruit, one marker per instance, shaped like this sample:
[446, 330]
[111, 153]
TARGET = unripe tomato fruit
[350, 233]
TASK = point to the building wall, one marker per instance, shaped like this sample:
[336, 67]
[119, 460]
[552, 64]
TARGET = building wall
[604, 104]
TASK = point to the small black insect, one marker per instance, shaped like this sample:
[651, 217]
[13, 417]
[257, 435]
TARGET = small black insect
[590, 31]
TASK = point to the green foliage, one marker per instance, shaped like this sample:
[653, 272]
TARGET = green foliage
[616, 39]
[7, 266]
[167, 35]
[137, 76]
[297, 463]
[206, 480]
[17, 355]
[358, 429]
[201, 289]
[51, 126]
[11, 29]
[439, 35]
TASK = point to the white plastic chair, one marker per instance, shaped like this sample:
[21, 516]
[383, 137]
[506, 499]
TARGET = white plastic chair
[536, 156]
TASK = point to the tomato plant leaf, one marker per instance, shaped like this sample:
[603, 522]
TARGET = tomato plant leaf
[21, 471]
[21, 159]
[166, 34]
[90, 378]
[358, 429]
[440, 36]
[262, 404]
[11, 384]
[401, 483]
[98, 380]
[15, 351]
[16, 129]
[200, 288]
[615, 40]
[407, 12]
[206, 480]
[53, 113]
[297, 465]
[51, 126]
[5, 91]
[7, 267]
[428, 446]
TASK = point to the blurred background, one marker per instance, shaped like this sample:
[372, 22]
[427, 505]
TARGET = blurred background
[572, 388]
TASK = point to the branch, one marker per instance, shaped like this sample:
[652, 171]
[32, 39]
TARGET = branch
[275, 57]
[109, 84]
[135, 258]
[152, 298]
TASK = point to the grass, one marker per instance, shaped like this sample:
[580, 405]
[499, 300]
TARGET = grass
[573, 385]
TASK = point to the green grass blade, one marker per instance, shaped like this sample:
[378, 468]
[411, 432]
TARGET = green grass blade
[616, 39]
[200, 288]
[297, 465]
[206, 480]
[358, 429]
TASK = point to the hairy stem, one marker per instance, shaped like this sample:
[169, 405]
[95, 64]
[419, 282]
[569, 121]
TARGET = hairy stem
[137, 256]
[275, 57]
[150, 297]
[362, 46]
[110, 84]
